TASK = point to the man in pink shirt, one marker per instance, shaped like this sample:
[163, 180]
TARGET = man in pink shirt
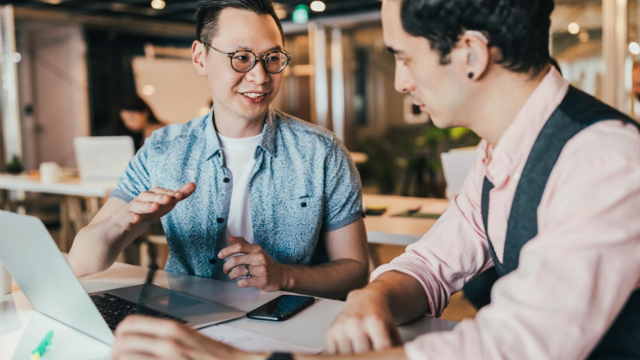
[553, 204]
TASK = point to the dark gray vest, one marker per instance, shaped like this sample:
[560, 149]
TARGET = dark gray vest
[576, 112]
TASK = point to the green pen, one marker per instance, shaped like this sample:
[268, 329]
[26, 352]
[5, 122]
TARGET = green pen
[37, 353]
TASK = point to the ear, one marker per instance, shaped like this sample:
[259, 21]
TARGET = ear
[198, 56]
[478, 56]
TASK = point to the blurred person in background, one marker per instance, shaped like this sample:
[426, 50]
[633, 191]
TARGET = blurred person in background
[135, 118]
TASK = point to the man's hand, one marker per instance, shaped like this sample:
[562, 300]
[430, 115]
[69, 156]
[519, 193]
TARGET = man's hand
[142, 337]
[266, 274]
[366, 324]
[149, 206]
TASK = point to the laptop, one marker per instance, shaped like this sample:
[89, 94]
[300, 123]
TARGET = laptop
[44, 276]
[103, 158]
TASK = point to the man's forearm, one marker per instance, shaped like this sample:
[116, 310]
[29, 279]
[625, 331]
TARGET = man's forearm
[396, 353]
[404, 295]
[331, 280]
[97, 246]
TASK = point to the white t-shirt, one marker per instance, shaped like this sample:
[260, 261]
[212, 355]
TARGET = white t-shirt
[238, 155]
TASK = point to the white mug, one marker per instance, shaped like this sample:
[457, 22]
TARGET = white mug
[5, 280]
[49, 172]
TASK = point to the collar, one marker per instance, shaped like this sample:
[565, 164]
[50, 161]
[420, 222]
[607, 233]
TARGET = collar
[508, 158]
[269, 133]
[268, 142]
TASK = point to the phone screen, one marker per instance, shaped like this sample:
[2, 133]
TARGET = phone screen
[281, 308]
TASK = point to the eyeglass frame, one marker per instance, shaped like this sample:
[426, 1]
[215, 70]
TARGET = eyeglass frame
[255, 56]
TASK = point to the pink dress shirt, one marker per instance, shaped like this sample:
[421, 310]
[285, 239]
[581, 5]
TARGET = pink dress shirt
[573, 277]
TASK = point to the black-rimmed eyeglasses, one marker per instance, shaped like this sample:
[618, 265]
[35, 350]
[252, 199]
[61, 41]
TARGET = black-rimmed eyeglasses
[243, 61]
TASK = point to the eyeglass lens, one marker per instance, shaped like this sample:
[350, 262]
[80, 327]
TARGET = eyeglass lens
[274, 62]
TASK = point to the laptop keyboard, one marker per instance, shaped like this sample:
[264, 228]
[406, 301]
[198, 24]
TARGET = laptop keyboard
[114, 309]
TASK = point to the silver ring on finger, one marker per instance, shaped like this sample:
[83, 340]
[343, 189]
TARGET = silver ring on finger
[246, 271]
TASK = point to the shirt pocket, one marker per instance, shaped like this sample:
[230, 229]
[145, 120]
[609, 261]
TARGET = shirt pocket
[298, 229]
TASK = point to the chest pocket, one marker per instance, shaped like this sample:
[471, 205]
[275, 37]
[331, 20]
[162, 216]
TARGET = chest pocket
[297, 229]
[304, 213]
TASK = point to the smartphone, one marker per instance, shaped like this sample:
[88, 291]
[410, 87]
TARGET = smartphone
[281, 308]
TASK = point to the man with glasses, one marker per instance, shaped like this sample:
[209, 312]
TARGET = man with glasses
[245, 193]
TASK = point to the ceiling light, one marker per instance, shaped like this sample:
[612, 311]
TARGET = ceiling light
[158, 4]
[634, 47]
[318, 6]
[573, 28]
[148, 90]
[281, 13]
[17, 57]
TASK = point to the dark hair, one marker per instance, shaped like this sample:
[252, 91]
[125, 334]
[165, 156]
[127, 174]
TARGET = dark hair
[518, 28]
[208, 12]
[133, 102]
[555, 64]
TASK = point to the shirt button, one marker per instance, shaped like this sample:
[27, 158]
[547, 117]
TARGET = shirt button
[226, 180]
[212, 261]
[220, 220]
[304, 204]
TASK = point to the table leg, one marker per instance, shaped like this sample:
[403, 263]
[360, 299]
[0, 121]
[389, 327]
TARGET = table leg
[75, 212]
[64, 226]
[93, 206]
[374, 259]
[4, 198]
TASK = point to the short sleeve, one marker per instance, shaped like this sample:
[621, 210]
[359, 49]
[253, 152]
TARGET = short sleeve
[135, 179]
[343, 190]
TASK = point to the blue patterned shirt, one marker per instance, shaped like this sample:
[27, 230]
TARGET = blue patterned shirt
[304, 184]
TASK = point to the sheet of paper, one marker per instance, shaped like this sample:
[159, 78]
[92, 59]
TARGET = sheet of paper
[67, 343]
[249, 341]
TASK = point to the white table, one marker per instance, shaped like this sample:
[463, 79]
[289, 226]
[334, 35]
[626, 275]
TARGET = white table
[70, 186]
[74, 191]
[22, 328]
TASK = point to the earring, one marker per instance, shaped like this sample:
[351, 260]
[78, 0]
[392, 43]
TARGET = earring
[470, 75]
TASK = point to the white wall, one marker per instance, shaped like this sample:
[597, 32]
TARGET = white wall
[53, 76]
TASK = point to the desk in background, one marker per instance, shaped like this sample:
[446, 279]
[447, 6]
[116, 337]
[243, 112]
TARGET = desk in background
[73, 191]
[22, 326]
[392, 230]
[388, 229]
